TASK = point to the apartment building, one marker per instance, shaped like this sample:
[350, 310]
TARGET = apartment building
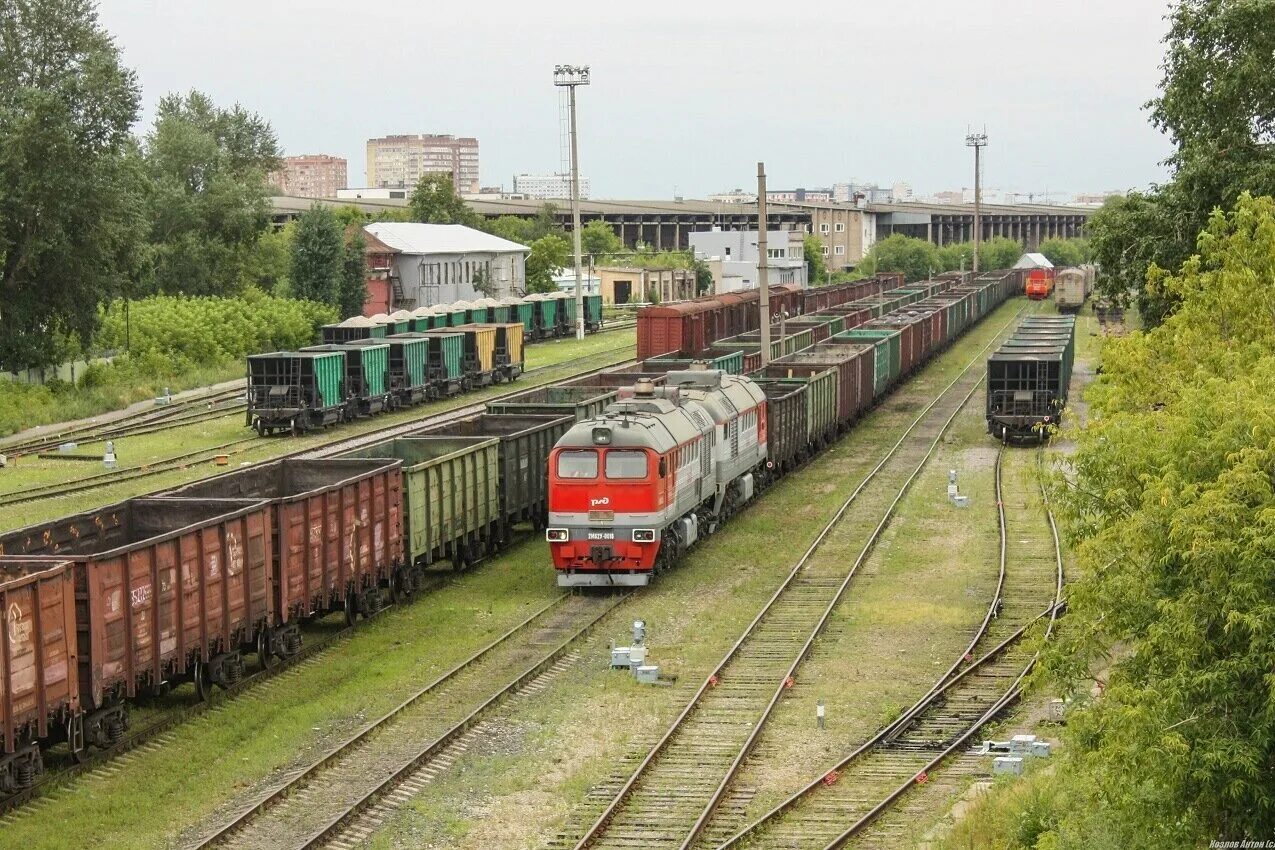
[548, 187]
[310, 176]
[402, 160]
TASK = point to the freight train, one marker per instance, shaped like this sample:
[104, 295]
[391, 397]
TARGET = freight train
[1072, 286]
[366, 365]
[1027, 379]
[182, 586]
[632, 487]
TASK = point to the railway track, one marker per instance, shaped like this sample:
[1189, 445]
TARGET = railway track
[327, 449]
[407, 746]
[15, 804]
[672, 794]
[845, 798]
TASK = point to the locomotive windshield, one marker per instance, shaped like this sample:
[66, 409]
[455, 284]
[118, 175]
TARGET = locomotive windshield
[623, 464]
[578, 464]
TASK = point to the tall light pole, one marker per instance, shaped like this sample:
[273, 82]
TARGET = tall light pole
[977, 141]
[572, 76]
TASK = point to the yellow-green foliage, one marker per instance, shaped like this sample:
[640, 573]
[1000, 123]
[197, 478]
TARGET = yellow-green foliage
[1172, 510]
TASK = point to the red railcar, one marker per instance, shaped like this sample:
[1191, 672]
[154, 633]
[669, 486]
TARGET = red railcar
[671, 328]
[1039, 283]
[39, 694]
[166, 590]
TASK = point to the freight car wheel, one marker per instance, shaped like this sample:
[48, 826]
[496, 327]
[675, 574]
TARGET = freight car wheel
[351, 608]
[203, 682]
[261, 428]
[264, 655]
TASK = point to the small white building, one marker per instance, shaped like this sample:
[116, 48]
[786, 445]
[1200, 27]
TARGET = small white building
[1033, 260]
[732, 256]
[548, 187]
[441, 263]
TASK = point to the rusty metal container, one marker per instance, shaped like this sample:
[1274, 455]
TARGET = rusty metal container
[39, 689]
[336, 534]
[166, 589]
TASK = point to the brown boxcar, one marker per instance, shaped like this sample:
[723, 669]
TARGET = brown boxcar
[669, 328]
[39, 693]
[166, 590]
[843, 359]
[337, 535]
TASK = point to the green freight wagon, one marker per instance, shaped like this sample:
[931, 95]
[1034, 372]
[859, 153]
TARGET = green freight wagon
[446, 361]
[498, 312]
[451, 495]
[400, 322]
[580, 402]
[544, 315]
[520, 310]
[566, 314]
[822, 401]
[525, 443]
[355, 327]
[478, 313]
[457, 314]
[593, 313]
[731, 362]
[409, 369]
[367, 371]
[296, 390]
[892, 341]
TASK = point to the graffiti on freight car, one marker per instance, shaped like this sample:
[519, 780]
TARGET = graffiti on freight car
[234, 554]
[140, 595]
[19, 629]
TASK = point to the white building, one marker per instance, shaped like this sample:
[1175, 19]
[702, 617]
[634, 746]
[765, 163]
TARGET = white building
[441, 263]
[733, 257]
[547, 187]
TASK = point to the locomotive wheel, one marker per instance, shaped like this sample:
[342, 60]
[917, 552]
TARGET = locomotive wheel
[264, 655]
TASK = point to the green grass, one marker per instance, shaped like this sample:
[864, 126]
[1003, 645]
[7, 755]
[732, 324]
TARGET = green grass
[142, 450]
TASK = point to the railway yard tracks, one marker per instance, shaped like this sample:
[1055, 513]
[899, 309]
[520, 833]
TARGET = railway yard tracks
[672, 795]
[339, 797]
[842, 801]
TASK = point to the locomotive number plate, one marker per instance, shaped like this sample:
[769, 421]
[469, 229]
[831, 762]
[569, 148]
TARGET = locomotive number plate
[601, 535]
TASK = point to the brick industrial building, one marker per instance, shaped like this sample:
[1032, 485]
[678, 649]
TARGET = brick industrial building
[402, 160]
[310, 176]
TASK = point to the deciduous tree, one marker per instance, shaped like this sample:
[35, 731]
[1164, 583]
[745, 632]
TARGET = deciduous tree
[434, 201]
[318, 257]
[353, 293]
[548, 255]
[598, 238]
[70, 179]
[816, 262]
[916, 258]
[209, 202]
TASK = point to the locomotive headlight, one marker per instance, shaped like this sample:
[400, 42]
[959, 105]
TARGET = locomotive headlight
[643, 535]
[557, 535]
[601, 436]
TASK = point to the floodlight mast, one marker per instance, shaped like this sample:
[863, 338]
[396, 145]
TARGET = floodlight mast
[571, 76]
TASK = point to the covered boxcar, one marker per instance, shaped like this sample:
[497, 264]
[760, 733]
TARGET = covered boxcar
[1071, 289]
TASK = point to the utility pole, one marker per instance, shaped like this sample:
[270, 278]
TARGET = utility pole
[977, 141]
[763, 263]
[572, 76]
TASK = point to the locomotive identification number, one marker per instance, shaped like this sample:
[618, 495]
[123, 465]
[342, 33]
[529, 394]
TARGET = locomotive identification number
[601, 535]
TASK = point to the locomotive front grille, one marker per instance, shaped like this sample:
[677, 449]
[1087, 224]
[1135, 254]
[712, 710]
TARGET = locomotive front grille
[601, 516]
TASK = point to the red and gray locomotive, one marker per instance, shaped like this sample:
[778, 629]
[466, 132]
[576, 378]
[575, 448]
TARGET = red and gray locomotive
[632, 489]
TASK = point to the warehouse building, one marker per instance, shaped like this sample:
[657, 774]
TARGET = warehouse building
[419, 265]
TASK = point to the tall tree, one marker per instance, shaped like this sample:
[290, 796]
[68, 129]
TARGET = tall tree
[916, 258]
[353, 274]
[1065, 252]
[268, 264]
[816, 262]
[434, 201]
[318, 257]
[1171, 506]
[598, 238]
[209, 202]
[1217, 105]
[70, 179]
[548, 255]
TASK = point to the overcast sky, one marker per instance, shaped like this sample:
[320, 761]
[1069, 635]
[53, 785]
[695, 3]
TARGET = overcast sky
[687, 96]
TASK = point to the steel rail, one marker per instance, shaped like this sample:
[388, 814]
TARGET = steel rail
[369, 729]
[946, 683]
[599, 826]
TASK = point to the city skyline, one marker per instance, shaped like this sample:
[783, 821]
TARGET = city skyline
[922, 74]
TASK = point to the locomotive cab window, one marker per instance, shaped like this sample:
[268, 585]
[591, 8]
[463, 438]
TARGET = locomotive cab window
[578, 464]
[626, 464]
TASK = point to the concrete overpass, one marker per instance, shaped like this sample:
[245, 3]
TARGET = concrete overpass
[667, 225]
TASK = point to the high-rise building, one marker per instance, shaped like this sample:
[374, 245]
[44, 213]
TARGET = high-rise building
[543, 187]
[310, 176]
[402, 160]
